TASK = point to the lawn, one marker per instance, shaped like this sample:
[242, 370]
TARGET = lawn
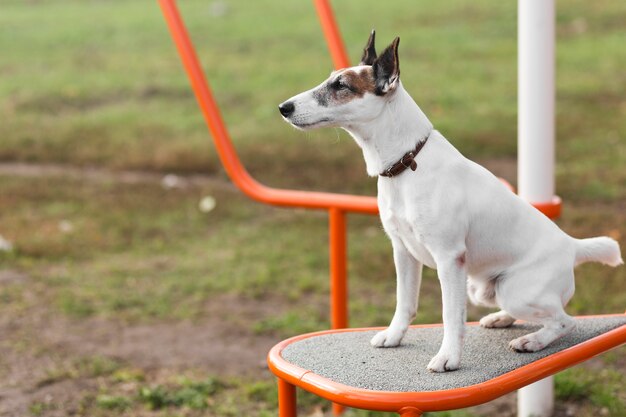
[124, 295]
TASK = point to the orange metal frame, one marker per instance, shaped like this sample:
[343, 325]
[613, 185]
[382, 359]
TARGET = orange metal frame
[338, 205]
[414, 403]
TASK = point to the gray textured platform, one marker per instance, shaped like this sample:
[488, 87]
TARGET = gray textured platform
[349, 359]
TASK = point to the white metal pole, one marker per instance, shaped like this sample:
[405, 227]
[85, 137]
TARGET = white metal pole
[536, 91]
[535, 142]
[536, 400]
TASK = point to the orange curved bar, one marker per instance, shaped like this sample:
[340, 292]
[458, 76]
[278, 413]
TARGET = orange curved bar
[445, 399]
[225, 149]
[331, 33]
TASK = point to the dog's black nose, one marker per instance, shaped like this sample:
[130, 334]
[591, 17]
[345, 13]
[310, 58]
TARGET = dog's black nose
[287, 108]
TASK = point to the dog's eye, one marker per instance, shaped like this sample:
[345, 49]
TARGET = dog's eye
[338, 84]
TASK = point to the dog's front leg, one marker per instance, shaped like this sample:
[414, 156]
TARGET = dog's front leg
[409, 278]
[452, 277]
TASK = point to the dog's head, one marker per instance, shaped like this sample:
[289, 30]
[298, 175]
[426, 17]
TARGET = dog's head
[349, 96]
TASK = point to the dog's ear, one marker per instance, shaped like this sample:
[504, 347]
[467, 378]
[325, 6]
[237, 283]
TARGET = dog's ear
[369, 52]
[387, 69]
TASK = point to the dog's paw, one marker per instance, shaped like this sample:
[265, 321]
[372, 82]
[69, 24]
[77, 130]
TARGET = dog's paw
[497, 320]
[387, 338]
[526, 343]
[444, 362]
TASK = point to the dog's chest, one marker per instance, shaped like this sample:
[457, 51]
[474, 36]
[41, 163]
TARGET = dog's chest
[402, 221]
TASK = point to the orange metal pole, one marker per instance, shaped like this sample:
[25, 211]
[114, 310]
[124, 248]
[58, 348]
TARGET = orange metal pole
[331, 32]
[287, 406]
[338, 276]
[338, 269]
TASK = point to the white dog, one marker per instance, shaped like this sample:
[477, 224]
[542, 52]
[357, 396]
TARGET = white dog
[447, 212]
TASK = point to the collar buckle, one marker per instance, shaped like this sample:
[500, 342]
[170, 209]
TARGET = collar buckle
[407, 161]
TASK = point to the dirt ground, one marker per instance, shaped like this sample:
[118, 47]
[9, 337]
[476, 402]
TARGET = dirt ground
[36, 343]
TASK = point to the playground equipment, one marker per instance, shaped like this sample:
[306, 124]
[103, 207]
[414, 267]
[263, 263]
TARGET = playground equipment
[536, 185]
[339, 365]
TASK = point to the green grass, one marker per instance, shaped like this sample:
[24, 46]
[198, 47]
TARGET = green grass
[85, 367]
[99, 84]
[192, 394]
[600, 389]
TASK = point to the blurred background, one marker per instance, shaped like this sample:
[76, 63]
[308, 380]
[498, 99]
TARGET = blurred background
[135, 280]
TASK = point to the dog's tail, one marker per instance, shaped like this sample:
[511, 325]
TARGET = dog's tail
[598, 249]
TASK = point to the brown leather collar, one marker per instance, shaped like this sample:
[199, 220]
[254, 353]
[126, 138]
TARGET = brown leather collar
[407, 161]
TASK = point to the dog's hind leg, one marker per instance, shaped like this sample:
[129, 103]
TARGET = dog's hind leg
[543, 305]
[556, 324]
[409, 278]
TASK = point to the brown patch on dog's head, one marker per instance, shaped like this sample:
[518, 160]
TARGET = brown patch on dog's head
[362, 82]
[346, 85]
